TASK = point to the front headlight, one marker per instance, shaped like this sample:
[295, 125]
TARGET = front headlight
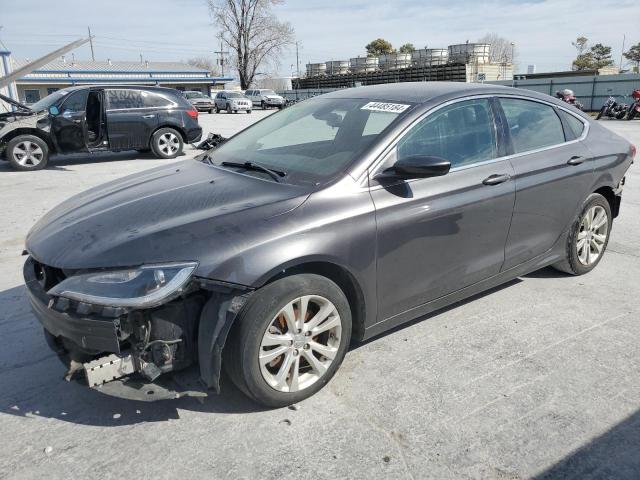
[142, 287]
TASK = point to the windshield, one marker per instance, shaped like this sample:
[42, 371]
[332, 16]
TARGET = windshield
[267, 92]
[194, 95]
[312, 141]
[234, 95]
[49, 100]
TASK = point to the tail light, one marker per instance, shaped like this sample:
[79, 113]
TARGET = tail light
[193, 113]
[632, 151]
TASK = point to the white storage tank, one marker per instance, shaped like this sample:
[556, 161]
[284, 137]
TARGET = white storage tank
[316, 69]
[426, 57]
[337, 67]
[393, 61]
[469, 53]
[363, 64]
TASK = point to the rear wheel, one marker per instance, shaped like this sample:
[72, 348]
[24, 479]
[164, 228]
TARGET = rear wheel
[589, 237]
[27, 152]
[167, 143]
[289, 339]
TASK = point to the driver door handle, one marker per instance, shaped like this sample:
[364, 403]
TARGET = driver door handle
[151, 115]
[496, 179]
[575, 160]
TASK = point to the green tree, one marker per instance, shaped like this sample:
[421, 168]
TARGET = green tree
[378, 47]
[633, 55]
[407, 48]
[580, 44]
[601, 55]
[583, 61]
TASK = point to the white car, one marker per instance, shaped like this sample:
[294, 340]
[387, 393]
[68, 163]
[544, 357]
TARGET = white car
[265, 98]
[232, 102]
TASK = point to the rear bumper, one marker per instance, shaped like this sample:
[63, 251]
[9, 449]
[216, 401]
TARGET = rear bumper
[194, 134]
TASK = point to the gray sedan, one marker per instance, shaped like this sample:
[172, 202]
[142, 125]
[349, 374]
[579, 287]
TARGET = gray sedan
[331, 222]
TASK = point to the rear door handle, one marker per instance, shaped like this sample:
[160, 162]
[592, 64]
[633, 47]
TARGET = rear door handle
[496, 179]
[575, 160]
[148, 116]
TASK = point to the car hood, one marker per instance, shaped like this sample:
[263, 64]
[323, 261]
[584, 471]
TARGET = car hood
[181, 212]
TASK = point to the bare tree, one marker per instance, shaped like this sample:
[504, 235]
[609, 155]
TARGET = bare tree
[252, 32]
[502, 50]
[205, 63]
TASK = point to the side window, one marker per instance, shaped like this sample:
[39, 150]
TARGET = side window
[576, 127]
[462, 133]
[155, 100]
[76, 102]
[532, 125]
[124, 99]
[248, 93]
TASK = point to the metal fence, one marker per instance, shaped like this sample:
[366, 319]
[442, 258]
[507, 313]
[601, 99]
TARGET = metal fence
[304, 93]
[592, 91]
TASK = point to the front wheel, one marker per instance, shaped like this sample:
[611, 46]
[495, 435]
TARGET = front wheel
[600, 113]
[27, 152]
[289, 339]
[167, 143]
[588, 238]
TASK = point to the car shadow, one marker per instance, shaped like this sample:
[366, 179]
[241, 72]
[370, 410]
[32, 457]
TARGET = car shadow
[34, 386]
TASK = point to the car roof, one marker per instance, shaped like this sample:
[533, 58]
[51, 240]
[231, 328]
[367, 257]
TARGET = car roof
[421, 92]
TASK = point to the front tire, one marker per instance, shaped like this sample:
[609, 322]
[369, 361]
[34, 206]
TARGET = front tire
[27, 152]
[289, 339]
[588, 238]
[600, 113]
[167, 143]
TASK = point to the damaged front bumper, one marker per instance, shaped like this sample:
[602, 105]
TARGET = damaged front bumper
[144, 354]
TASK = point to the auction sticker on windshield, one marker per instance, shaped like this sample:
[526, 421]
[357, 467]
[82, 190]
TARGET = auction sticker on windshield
[385, 107]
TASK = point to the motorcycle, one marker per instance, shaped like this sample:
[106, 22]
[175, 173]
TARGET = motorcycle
[567, 96]
[634, 108]
[613, 109]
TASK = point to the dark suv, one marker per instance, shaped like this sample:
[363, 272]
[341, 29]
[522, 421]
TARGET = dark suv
[98, 118]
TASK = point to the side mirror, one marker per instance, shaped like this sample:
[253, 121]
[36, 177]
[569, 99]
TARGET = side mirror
[53, 110]
[417, 166]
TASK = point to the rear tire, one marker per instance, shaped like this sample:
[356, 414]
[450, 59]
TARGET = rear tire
[586, 244]
[262, 327]
[167, 143]
[27, 152]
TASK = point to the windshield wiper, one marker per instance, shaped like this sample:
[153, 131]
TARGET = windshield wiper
[275, 174]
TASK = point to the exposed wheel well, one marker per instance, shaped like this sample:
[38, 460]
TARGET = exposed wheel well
[612, 198]
[29, 131]
[344, 280]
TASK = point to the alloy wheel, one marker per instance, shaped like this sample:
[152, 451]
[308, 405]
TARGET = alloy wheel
[28, 154]
[300, 343]
[168, 143]
[592, 235]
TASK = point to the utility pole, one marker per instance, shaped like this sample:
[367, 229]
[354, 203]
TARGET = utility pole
[297, 62]
[93, 57]
[221, 53]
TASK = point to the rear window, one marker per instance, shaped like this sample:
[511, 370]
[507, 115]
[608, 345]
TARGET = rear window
[532, 125]
[576, 127]
[155, 100]
[118, 99]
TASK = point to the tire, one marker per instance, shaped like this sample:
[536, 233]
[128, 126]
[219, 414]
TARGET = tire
[27, 152]
[248, 111]
[167, 143]
[632, 114]
[600, 113]
[574, 263]
[217, 110]
[260, 313]
[263, 105]
[229, 109]
[211, 111]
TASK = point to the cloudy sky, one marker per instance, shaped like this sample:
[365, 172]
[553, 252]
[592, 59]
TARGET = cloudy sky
[326, 29]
